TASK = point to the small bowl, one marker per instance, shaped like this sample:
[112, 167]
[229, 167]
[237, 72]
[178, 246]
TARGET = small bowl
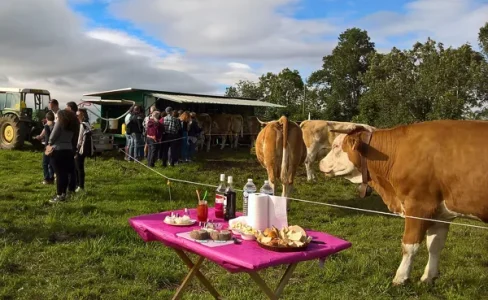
[248, 237]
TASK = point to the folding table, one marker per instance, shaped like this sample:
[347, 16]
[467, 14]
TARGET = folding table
[247, 256]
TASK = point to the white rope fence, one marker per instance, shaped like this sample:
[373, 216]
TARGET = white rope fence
[314, 202]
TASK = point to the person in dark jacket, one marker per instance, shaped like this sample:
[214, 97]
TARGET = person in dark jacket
[185, 120]
[62, 158]
[193, 132]
[44, 137]
[135, 128]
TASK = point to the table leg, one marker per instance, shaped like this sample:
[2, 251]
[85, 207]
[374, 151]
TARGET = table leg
[255, 276]
[188, 277]
[284, 280]
[199, 275]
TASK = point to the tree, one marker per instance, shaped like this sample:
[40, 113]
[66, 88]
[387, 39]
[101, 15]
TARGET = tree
[340, 77]
[483, 38]
[427, 82]
[285, 88]
[244, 89]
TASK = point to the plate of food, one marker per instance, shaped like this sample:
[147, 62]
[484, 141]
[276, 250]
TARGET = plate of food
[206, 235]
[179, 221]
[288, 239]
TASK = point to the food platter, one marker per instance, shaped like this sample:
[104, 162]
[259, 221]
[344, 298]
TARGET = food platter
[288, 239]
[191, 223]
[283, 249]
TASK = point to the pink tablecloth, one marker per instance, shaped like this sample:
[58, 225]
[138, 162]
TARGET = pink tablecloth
[245, 257]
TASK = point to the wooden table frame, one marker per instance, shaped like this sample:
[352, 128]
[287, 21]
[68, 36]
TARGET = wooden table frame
[194, 271]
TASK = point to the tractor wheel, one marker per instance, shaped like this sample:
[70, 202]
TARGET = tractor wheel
[12, 133]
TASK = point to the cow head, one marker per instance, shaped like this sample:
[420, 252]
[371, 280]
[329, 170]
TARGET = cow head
[344, 159]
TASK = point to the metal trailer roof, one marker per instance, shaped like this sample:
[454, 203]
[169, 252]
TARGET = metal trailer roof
[190, 98]
[24, 90]
[213, 100]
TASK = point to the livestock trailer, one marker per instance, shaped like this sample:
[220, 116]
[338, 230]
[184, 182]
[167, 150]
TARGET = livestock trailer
[115, 103]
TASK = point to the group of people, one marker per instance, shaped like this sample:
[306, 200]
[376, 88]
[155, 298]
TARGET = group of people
[65, 131]
[170, 136]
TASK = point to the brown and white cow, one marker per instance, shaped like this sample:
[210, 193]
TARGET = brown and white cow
[429, 170]
[253, 128]
[280, 150]
[236, 129]
[318, 139]
[205, 123]
[222, 126]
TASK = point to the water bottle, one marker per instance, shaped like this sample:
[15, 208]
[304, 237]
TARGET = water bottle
[266, 189]
[249, 188]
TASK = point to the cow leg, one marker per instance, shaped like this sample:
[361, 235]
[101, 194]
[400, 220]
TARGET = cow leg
[436, 239]
[224, 140]
[412, 237]
[308, 164]
[209, 141]
[236, 145]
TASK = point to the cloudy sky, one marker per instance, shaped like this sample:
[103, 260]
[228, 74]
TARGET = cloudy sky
[73, 47]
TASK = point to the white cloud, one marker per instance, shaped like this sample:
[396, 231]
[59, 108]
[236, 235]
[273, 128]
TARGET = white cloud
[238, 29]
[50, 49]
[221, 40]
[452, 22]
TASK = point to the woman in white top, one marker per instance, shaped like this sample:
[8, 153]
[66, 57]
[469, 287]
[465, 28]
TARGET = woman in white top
[80, 155]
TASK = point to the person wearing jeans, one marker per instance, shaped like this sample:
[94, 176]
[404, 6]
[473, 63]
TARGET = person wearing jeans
[46, 160]
[171, 142]
[62, 157]
[134, 127]
[153, 138]
[80, 155]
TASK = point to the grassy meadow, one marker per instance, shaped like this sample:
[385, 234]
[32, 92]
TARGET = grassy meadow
[85, 249]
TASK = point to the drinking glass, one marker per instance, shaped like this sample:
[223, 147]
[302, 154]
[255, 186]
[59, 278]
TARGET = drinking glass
[202, 211]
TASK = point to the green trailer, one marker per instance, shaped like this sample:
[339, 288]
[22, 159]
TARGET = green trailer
[115, 103]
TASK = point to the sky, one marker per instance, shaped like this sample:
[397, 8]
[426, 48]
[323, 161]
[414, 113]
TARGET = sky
[73, 47]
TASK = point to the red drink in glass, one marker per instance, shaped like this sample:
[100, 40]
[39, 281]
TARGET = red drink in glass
[219, 210]
[202, 212]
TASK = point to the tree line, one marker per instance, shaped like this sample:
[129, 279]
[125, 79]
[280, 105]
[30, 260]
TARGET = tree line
[357, 83]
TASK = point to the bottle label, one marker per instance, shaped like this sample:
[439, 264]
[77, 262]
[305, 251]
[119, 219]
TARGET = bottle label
[219, 198]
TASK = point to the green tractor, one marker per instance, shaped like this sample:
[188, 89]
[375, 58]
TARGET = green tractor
[21, 113]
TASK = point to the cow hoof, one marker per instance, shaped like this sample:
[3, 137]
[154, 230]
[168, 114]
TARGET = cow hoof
[427, 279]
[399, 281]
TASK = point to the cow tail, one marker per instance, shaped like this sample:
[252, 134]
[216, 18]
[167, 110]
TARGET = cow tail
[284, 160]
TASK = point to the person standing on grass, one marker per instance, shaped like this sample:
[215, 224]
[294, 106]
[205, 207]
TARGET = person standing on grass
[134, 127]
[73, 107]
[144, 126]
[54, 107]
[170, 142]
[46, 160]
[128, 136]
[81, 148]
[193, 133]
[185, 120]
[154, 137]
[62, 157]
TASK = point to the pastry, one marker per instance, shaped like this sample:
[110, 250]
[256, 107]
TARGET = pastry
[199, 234]
[223, 235]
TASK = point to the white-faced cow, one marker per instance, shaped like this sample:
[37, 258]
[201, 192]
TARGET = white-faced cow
[318, 137]
[430, 170]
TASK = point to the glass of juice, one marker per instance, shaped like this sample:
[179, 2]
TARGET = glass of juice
[202, 211]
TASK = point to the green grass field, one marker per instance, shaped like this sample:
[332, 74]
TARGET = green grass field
[85, 248]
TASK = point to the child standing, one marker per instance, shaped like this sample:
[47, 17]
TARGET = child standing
[46, 160]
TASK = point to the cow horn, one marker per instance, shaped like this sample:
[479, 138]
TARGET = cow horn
[261, 122]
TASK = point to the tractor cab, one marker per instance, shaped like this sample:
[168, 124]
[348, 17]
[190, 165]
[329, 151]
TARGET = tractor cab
[21, 113]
